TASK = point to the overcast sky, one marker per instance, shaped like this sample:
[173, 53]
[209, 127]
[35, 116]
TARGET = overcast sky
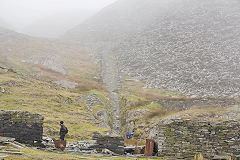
[22, 13]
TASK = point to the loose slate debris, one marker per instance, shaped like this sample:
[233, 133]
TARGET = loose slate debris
[101, 144]
[13, 144]
[12, 152]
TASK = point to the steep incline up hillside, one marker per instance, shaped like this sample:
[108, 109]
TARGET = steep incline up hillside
[188, 46]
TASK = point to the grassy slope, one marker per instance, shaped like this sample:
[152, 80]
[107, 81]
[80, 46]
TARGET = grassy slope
[40, 95]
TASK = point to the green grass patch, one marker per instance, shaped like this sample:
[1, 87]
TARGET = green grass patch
[51, 101]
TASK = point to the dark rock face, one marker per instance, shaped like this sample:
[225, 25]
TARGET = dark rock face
[187, 46]
[23, 126]
[184, 138]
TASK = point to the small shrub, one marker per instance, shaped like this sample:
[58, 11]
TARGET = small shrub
[158, 113]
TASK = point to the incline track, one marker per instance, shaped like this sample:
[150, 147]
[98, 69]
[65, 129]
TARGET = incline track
[110, 78]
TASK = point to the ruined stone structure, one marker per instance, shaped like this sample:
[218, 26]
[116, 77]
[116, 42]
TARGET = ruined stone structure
[23, 126]
[185, 138]
[112, 143]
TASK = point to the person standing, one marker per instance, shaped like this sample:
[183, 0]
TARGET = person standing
[63, 131]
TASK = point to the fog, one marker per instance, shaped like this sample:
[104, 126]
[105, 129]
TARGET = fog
[35, 16]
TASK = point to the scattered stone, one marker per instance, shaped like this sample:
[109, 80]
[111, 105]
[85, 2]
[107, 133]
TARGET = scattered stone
[13, 144]
[129, 149]
[6, 139]
[107, 151]
[12, 152]
[64, 100]
[47, 141]
[66, 84]
[3, 90]
[91, 100]
[50, 60]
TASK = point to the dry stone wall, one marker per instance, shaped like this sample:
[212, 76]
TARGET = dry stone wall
[184, 138]
[184, 104]
[23, 126]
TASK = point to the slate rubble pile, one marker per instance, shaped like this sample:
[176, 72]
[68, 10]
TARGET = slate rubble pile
[192, 50]
[51, 60]
[103, 144]
[186, 46]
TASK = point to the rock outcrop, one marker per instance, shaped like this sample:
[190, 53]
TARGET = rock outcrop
[50, 60]
[23, 126]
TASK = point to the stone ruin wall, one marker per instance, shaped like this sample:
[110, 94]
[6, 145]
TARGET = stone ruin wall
[23, 126]
[185, 138]
[112, 143]
[184, 104]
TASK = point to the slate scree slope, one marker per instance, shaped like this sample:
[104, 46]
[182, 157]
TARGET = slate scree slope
[188, 46]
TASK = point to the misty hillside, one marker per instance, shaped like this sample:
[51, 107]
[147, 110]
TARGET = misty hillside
[188, 46]
[56, 25]
[54, 78]
[51, 58]
[4, 24]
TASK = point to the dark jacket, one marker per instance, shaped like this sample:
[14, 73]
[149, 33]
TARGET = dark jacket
[63, 130]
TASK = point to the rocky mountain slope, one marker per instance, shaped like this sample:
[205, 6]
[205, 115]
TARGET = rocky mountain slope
[18, 50]
[186, 46]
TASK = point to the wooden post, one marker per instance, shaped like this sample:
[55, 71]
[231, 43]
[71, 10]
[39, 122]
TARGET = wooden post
[149, 147]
